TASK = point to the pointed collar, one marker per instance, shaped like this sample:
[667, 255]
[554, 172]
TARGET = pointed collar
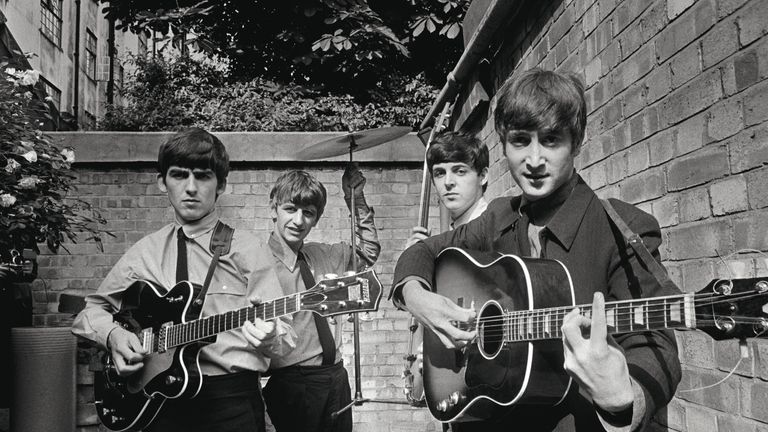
[568, 218]
[282, 251]
[201, 226]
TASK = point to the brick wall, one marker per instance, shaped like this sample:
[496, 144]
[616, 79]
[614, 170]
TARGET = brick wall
[677, 102]
[119, 179]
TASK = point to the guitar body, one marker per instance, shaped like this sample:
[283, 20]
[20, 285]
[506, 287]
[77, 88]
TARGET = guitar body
[131, 403]
[472, 383]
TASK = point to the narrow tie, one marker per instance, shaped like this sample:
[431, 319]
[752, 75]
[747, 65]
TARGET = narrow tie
[182, 273]
[323, 330]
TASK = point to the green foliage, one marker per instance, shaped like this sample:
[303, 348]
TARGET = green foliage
[345, 45]
[174, 94]
[35, 175]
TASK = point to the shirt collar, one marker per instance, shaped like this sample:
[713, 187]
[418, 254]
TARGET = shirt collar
[201, 226]
[567, 219]
[282, 251]
[471, 213]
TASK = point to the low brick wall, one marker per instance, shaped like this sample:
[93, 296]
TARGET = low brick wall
[116, 174]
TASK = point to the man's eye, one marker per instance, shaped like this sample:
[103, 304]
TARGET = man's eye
[438, 174]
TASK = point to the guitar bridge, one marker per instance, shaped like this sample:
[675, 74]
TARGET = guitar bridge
[162, 337]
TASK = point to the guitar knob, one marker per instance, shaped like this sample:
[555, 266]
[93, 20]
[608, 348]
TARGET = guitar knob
[456, 397]
[349, 273]
[366, 317]
[171, 380]
[342, 304]
[443, 405]
[761, 286]
[117, 419]
[330, 276]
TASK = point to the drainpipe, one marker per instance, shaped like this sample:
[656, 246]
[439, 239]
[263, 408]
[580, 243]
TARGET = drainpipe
[496, 15]
[111, 48]
[76, 96]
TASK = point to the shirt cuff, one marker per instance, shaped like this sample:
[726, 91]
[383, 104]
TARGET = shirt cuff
[396, 295]
[628, 419]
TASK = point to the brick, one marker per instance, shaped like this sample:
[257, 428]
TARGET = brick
[725, 119]
[760, 352]
[665, 210]
[756, 105]
[697, 349]
[633, 69]
[700, 420]
[616, 167]
[658, 83]
[757, 189]
[719, 43]
[593, 71]
[653, 21]
[630, 41]
[692, 98]
[589, 20]
[699, 167]
[612, 114]
[643, 187]
[756, 404]
[650, 121]
[638, 158]
[728, 356]
[685, 65]
[621, 136]
[699, 240]
[610, 57]
[677, 7]
[634, 99]
[661, 147]
[694, 205]
[746, 70]
[753, 22]
[729, 195]
[748, 149]
[749, 232]
[732, 423]
[636, 133]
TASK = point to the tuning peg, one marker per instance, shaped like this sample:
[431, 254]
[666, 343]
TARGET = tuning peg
[332, 321]
[366, 317]
[351, 318]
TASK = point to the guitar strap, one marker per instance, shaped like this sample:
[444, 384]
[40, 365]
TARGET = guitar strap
[221, 241]
[641, 251]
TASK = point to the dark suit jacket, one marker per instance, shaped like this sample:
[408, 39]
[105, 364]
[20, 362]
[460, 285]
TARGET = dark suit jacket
[580, 236]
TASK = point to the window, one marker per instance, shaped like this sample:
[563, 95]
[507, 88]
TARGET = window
[53, 92]
[90, 55]
[50, 20]
[119, 76]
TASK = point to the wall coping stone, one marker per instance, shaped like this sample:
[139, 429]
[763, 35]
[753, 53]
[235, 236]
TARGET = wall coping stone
[108, 146]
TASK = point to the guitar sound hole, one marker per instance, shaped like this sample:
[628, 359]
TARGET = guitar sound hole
[490, 331]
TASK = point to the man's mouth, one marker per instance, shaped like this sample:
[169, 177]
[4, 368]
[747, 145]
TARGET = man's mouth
[535, 177]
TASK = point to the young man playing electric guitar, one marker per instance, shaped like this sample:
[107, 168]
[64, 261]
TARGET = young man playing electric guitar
[192, 172]
[310, 384]
[618, 382]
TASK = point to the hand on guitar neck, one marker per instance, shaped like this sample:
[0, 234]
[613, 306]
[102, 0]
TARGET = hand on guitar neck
[595, 360]
[439, 314]
[418, 233]
[265, 335]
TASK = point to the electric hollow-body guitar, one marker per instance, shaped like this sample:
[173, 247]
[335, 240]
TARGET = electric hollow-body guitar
[162, 322]
[517, 357]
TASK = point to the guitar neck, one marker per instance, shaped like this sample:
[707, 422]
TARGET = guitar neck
[203, 328]
[657, 313]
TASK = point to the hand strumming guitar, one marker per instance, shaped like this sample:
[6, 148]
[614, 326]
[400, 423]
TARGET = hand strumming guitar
[127, 352]
[438, 314]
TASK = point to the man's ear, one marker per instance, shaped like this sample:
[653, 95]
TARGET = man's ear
[161, 183]
[273, 210]
[484, 176]
[220, 188]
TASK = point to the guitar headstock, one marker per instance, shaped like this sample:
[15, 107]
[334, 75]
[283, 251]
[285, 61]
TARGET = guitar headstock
[356, 292]
[733, 308]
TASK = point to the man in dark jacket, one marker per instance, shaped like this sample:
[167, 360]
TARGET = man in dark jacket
[619, 382]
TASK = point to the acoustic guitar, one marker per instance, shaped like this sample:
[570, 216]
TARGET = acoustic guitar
[171, 370]
[517, 357]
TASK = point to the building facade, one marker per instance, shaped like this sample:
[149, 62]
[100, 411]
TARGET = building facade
[70, 43]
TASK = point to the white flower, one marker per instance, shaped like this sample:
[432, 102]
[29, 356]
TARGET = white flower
[29, 182]
[31, 156]
[30, 77]
[11, 71]
[7, 200]
[12, 165]
[69, 155]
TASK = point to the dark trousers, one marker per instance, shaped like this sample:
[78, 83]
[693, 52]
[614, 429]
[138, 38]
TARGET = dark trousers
[226, 403]
[302, 399]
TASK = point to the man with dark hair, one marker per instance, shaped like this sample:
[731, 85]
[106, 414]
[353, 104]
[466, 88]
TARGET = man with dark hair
[310, 384]
[192, 171]
[619, 382]
[458, 165]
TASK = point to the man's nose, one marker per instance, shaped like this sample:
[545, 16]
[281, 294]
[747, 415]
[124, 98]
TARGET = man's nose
[298, 218]
[450, 179]
[534, 158]
[191, 185]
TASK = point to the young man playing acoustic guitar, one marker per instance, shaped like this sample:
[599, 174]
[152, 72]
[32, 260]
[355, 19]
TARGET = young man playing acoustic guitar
[310, 384]
[619, 382]
[458, 165]
[192, 172]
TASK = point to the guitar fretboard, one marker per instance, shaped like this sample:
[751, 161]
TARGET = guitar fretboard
[627, 316]
[199, 329]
